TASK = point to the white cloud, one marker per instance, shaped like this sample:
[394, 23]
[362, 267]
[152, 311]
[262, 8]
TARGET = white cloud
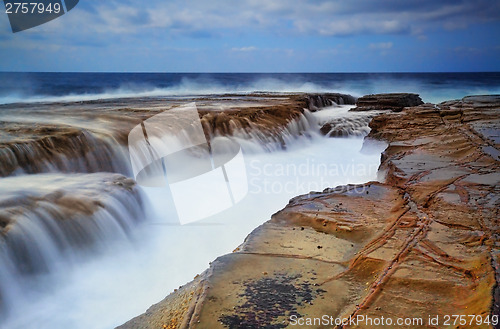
[380, 45]
[104, 23]
[244, 49]
[308, 17]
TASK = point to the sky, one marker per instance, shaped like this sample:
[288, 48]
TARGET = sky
[260, 36]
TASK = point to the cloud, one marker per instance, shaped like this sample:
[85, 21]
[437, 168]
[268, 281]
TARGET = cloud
[125, 32]
[380, 45]
[244, 49]
[354, 25]
[307, 17]
[470, 50]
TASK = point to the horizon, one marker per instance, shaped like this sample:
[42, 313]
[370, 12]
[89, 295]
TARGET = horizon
[193, 72]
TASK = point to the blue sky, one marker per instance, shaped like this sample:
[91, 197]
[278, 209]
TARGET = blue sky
[261, 36]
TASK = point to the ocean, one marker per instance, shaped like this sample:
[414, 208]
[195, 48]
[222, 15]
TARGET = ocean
[432, 87]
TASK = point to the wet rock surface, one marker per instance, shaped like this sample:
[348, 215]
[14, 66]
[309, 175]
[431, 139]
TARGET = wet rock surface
[423, 242]
[63, 211]
[266, 300]
[349, 125]
[72, 195]
[318, 101]
[66, 137]
[50, 219]
[395, 102]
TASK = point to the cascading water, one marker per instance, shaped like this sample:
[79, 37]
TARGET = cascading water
[319, 102]
[50, 278]
[255, 140]
[52, 221]
[339, 122]
[82, 152]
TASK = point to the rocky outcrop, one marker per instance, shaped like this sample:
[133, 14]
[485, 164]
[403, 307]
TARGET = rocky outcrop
[266, 117]
[93, 135]
[318, 101]
[61, 209]
[351, 124]
[60, 149]
[394, 102]
[423, 242]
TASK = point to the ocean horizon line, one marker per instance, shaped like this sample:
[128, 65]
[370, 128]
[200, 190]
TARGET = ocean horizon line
[194, 72]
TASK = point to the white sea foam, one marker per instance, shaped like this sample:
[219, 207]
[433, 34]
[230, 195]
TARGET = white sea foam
[206, 86]
[187, 87]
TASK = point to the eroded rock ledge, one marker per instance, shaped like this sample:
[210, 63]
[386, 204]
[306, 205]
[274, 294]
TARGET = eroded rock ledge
[57, 212]
[48, 220]
[34, 138]
[423, 242]
[395, 102]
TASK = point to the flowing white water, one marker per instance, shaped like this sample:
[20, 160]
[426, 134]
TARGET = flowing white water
[106, 290]
[341, 122]
[85, 153]
[55, 222]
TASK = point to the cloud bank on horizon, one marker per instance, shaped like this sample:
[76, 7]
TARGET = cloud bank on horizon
[261, 36]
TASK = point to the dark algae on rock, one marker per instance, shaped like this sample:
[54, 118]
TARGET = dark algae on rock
[268, 299]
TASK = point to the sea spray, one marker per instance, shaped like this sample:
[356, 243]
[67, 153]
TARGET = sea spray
[74, 87]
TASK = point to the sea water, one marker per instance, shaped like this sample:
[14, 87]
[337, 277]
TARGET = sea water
[432, 87]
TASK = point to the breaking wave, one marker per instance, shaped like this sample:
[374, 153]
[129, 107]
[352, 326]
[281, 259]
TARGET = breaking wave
[73, 87]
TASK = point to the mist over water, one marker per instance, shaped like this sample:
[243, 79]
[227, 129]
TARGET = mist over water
[67, 87]
[105, 289]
